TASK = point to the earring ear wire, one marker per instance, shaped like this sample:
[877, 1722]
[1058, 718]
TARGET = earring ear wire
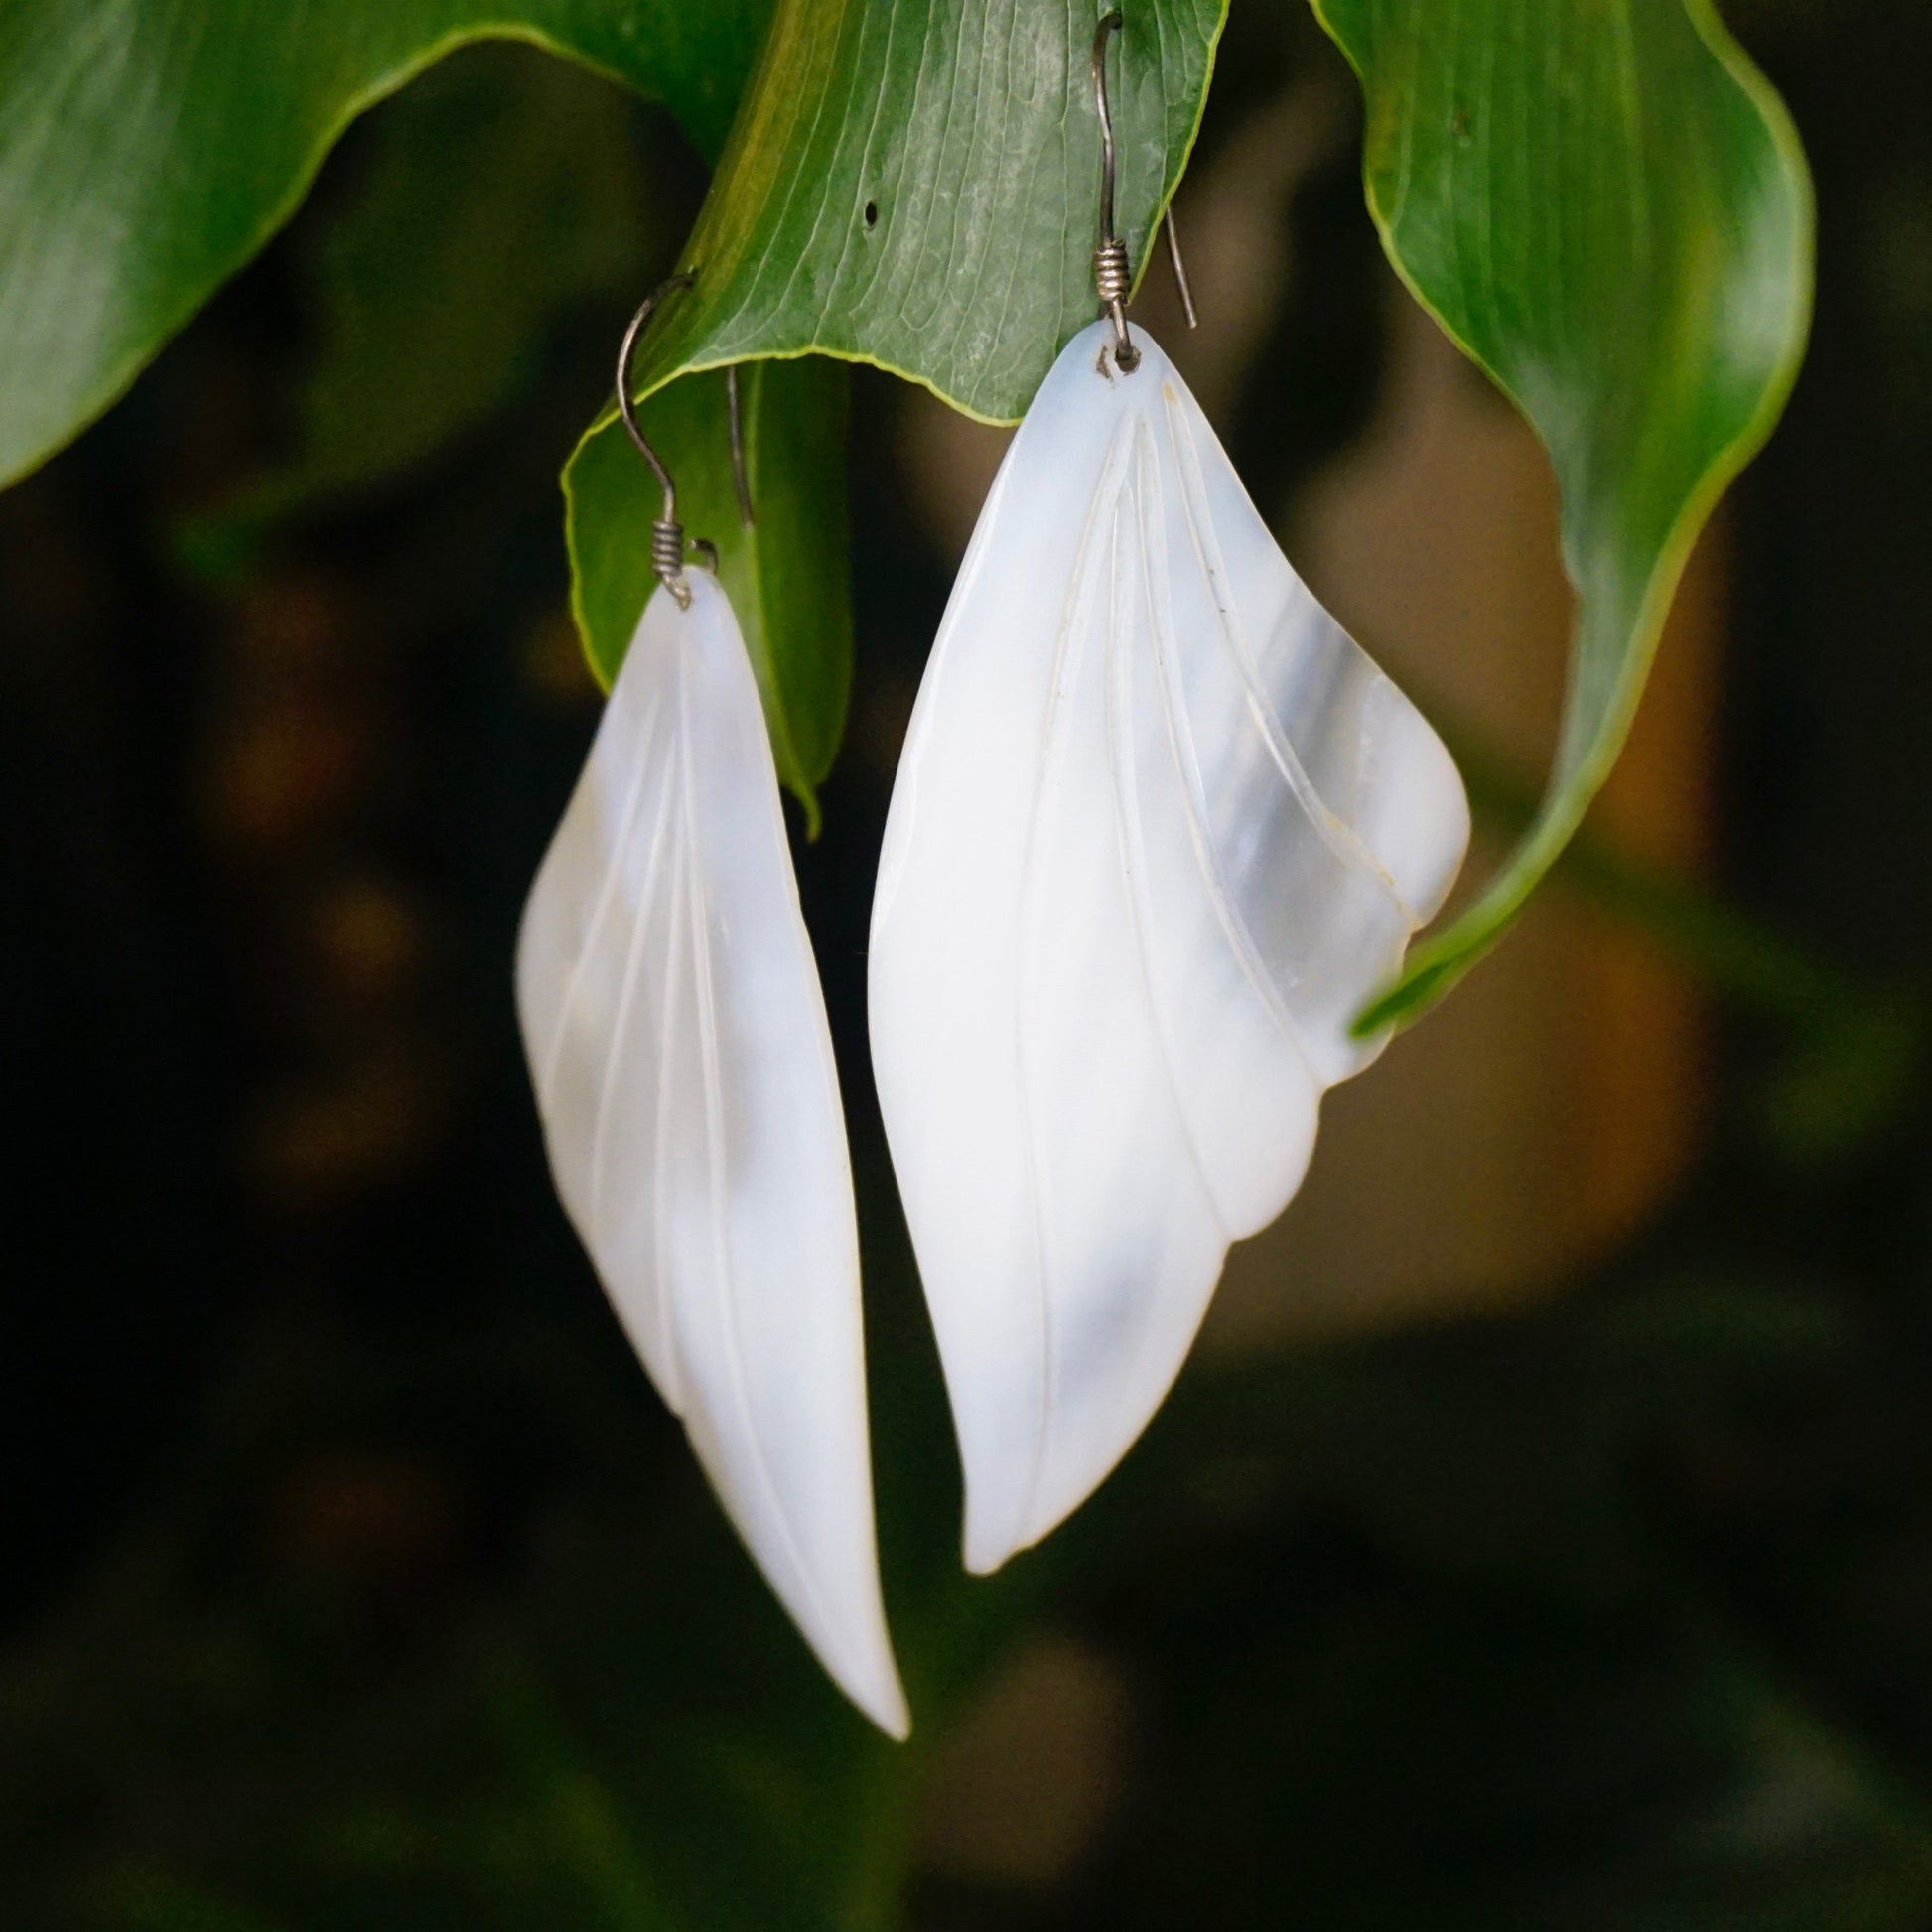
[666, 532]
[739, 482]
[1112, 276]
[1179, 269]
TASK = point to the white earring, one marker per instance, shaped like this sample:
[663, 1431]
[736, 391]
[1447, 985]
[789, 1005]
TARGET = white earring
[678, 1044]
[1159, 830]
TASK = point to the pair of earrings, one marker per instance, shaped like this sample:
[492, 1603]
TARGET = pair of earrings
[1159, 829]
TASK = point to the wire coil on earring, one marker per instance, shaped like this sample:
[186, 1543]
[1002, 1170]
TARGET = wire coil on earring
[667, 557]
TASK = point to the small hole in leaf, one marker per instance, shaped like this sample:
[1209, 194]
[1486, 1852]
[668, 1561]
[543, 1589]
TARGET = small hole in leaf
[872, 215]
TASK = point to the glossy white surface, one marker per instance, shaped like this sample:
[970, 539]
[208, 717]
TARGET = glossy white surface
[677, 1042]
[1159, 829]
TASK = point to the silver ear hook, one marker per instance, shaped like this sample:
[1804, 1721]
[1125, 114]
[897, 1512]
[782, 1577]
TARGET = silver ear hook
[1112, 274]
[666, 532]
[1179, 269]
[739, 482]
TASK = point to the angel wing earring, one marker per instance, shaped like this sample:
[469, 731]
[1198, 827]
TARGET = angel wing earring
[1159, 832]
[678, 1045]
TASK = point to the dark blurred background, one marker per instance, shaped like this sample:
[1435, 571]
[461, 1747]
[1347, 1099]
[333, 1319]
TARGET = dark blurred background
[1543, 1534]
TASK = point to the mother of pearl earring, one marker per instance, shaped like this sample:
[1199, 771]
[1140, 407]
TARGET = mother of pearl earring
[1159, 830]
[678, 1045]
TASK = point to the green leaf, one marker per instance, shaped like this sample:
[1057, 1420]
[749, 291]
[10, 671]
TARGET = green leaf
[503, 188]
[786, 574]
[1605, 206]
[147, 150]
[917, 186]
